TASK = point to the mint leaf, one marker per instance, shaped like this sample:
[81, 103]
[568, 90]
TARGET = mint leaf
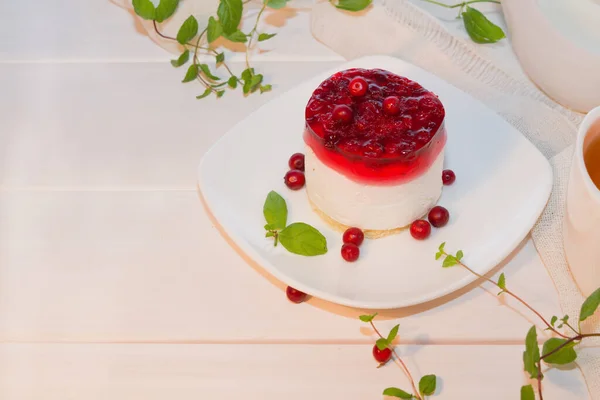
[441, 248]
[427, 385]
[399, 393]
[459, 255]
[502, 282]
[531, 355]
[214, 30]
[220, 93]
[590, 305]
[481, 29]
[247, 74]
[237, 37]
[230, 14]
[203, 95]
[438, 255]
[219, 58]
[255, 81]
[206, 71]
[382, 344]
[265, 88]
[449, 261]
[353, 5]
[275, 211]
[276, 4]
[527, 393]
[553, 320]
[191, 73]
[303, 239]
[269, 234]
[367, 318]
[188, 30]
[144, 8]
[165, 9]
[265, 36]
[183, 58]
[565, 355]
[232, 82]
[393, 333]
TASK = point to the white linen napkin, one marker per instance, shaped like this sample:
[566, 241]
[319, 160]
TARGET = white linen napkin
[398, 28]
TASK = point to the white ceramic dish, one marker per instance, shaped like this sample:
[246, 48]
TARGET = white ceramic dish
[503, 183]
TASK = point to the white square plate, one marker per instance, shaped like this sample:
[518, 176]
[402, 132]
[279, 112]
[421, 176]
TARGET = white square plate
[503, 183]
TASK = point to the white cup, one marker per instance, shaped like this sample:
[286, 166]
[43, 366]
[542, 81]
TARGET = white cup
[581, 231]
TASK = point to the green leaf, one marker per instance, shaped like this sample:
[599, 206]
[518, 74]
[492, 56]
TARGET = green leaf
[203, 95]
[427, 385]
[206, 71]
[247, 74]
[590, 305]
[553, 320]
[527, 393]
[269, 234]
[353, 5]
[393, 333]
[502, 281]
[565, 319]
[438, 255]
[531, 355]
[165, 9]
[441, 248]
[265, 36]
[144, 8]
[230, 14]
[303, 239]
[276, 4]
[449, 261]
[367, 318]
[275, 211]
[459, 255]
[481, 29]
[183, 58]
[255, 82]
[382, 344]
[565, 355]
[214, 30]
[265, 88]
[188, 30]
[191, 73]
[237, 37]
[219, 58]
[232, 82]
[220, 93]
[399, 393]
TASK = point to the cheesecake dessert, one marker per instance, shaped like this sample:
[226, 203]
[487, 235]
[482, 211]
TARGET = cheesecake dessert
[374, 150]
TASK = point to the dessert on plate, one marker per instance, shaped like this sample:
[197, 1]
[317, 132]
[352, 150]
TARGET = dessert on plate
[374, 150]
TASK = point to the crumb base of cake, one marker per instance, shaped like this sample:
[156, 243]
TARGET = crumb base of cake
[369, 233]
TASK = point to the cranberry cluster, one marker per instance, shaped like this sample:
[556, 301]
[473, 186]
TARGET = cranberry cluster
[294, 178]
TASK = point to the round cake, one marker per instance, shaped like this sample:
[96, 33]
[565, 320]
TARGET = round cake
[374, 150]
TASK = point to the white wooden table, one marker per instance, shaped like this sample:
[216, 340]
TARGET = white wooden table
[116, 284]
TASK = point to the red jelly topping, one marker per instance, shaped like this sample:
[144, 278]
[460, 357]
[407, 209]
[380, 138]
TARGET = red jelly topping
[375, 143]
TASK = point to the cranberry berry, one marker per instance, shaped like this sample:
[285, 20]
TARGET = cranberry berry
[297, 161]
[448, 177]
[294, 179]
[391, 105]
[382, 356]
[354, 236]
[294, 295]
[358, 86]
[342, 113]
[438, 216]
[350, 252]
[420, 229]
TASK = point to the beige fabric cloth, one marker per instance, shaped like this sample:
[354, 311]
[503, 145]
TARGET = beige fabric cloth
[398, 28]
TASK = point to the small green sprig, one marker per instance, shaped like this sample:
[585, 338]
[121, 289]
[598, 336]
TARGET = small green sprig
[556, 350]
[298, 238]
[427, 383]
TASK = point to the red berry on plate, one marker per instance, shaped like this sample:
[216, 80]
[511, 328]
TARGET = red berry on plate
[354, 236]
[350, 252]
[358, 86]
[294, 179]
[294, 295]
[342, 113]
[382, 356]
[391, 105]
[297, 161]
[420, 229]
[448, 177]
[438, 216]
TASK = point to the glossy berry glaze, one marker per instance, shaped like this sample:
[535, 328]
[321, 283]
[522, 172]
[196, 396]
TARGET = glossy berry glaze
[375, 145]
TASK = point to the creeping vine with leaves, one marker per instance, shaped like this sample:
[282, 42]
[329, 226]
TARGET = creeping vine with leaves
[558, 350]
[226, 24]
